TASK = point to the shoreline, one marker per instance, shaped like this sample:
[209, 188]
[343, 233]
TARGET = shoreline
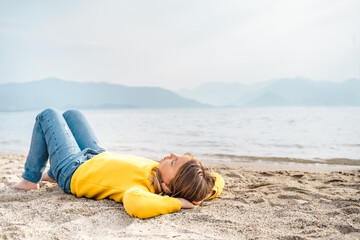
[259, 165]
[279, 166]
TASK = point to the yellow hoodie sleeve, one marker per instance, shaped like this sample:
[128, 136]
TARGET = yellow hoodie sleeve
[144, 204]
[219, 185]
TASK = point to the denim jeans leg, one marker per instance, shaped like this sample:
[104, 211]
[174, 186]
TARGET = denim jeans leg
[38, 155]
[82, 131]
[60, 146]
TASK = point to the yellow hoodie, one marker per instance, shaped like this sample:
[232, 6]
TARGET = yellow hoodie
[125, 179]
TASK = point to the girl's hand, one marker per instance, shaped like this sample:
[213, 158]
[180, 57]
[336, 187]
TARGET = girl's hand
[186, 204]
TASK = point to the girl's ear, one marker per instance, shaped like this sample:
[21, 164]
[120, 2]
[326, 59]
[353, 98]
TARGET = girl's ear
[165, 187]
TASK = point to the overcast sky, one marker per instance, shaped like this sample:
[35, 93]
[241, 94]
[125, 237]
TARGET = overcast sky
[179, 44]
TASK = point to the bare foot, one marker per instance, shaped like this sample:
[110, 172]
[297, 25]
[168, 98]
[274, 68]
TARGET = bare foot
[26, 185]
[45, 177]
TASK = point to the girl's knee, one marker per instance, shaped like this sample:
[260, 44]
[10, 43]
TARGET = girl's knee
[47, 112]
[71, 112]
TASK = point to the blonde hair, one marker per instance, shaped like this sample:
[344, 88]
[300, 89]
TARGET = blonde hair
[193, 181]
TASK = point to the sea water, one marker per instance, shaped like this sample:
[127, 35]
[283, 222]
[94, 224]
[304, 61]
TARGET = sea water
[285, 134]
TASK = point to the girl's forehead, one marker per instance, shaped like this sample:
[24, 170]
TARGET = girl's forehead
[185, 157]
[181, 161]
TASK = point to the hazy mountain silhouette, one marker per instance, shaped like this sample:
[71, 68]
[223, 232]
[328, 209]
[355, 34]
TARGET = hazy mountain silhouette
[280, 92]
[221, 93]
[53, 92]
[225, 92]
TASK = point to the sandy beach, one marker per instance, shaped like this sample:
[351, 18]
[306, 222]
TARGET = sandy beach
[258, 202]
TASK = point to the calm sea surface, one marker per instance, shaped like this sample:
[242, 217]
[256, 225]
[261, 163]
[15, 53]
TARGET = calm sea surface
[294, 134]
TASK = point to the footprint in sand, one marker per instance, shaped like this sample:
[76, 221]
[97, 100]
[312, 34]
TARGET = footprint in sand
[351, 210]
[345, 229]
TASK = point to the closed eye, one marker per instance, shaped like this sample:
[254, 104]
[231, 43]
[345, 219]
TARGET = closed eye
[173, 161]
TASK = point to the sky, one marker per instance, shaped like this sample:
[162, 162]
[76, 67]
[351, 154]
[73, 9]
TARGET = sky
[179, 44]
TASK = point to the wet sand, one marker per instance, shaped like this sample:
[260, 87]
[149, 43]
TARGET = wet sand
[259, 202]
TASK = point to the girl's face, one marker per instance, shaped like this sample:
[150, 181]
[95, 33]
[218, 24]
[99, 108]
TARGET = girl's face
[170, 165]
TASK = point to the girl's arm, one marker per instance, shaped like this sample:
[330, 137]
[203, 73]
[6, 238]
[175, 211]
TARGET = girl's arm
[144, 204]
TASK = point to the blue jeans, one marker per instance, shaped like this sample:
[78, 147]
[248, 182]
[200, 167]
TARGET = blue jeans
[67, 140]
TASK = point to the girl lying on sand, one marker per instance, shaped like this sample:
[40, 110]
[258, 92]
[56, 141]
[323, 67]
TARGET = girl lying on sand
[80, 166]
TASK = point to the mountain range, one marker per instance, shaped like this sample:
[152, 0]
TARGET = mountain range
[53, 92]
[280, 92]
